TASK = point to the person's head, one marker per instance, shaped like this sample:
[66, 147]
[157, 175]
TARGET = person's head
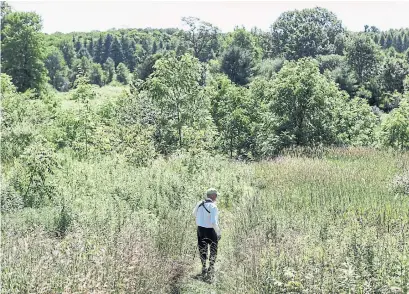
[212, 194]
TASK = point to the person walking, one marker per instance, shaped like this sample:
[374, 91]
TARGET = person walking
[208, 231]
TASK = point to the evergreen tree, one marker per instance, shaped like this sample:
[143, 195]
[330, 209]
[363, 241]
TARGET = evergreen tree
[107, 47]
[83, 52]
[116, 52]
[123, 74]
[68, 51]
[399, 44]
[90, 47]
[382, 41]
[406, 41]
[109, 68]
[238, 64]
[128, 49]
[376, 39]
[389, 40]
[99, 51]
[131, 56]
[96, 75]
[78, 44]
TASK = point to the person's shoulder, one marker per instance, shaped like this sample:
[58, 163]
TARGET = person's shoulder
[213, 205]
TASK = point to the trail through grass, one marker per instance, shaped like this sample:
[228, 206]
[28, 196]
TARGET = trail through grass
[290, 225]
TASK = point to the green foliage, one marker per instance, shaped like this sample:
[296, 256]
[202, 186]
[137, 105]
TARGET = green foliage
[96, 75]
[85, 124]
[246, 41]
[202, 37]
[363, 55]
[57, 70]
[68, 51]
[395, 127]
[146, 68]
[181, 104]
[394, 72]
[230, 112]
[269, 67]
[116, 52]
[238, 64]
[330, 62]
[109, 67]
[123, 74]
[81, 67]
[22, 50]
[300, 111]
[31, 176]
[355, 123]
[22, 119]
[89, 177]
[309, 32]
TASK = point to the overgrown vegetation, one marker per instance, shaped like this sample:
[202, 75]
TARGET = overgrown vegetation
[307, 143]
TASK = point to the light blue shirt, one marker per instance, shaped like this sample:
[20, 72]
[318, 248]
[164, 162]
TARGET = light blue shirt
[205, 219]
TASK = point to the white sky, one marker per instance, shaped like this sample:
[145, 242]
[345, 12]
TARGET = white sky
[69, 16]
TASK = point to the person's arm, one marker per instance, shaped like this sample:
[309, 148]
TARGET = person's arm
[214, 219]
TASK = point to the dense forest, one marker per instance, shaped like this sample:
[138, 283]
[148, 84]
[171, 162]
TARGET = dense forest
[306, 125]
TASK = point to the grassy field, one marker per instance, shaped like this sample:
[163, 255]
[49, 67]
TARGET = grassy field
[333, 223]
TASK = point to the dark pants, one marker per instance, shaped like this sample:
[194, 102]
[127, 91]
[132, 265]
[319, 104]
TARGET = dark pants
[206, 237]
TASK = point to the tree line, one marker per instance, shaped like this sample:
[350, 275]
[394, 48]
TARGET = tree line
[246, 94]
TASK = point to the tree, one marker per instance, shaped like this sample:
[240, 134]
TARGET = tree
[78, 44]
[109, 67]
[308, 32]
[395, 127]
[363, 55]
[99, 51]
[182, 109]
[238, 65]
[90, 47]
[201, 37]
[382, 41]
[300, 111]
[23, 50]
[394, 72]
[83, 52]
[154, 48]
[67, 49]
[128, 49]
[354, 121]
[146, 68]
[107, 47]
[116, 52]
[81, 67]
[123, 74]
[344, 77]
[399, 44]
[340, 43]
[245, 40]
[230, 109]
[96, 75]
[330, 62]
[86, 122]
[57, 70]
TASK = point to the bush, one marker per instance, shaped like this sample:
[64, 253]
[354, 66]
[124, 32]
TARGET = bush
[395, 127]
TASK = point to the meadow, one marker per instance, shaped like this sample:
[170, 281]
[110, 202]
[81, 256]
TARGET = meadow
[328, 221]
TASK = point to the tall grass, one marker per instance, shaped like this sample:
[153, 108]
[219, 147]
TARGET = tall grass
[328, 223]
